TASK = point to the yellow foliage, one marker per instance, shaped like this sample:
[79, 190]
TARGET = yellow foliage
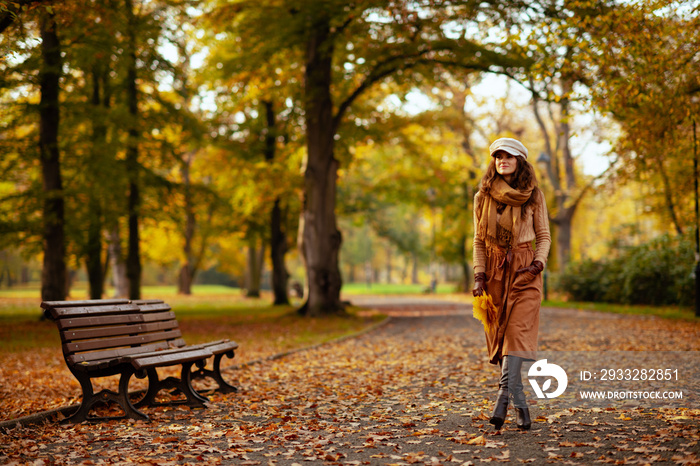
[485, 311]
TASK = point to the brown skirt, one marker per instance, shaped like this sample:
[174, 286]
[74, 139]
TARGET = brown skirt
[517, 298]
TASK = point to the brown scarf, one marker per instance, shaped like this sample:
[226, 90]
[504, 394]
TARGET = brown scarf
[504, 230]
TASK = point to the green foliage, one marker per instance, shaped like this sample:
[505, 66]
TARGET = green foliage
[656, 273]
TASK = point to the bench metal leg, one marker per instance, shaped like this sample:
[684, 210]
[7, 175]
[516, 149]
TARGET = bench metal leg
[182, 385]
[91, 399]
[202, 372]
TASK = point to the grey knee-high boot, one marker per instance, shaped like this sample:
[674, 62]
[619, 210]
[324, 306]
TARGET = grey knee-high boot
[500, 410]
[522, 412]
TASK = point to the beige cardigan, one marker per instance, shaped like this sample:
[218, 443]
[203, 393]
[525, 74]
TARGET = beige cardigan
[535, 227]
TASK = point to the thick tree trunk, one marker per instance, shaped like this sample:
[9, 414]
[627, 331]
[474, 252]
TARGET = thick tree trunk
[320, 238]
[185, 279]
[53, 276]
[278, 237]
[133, 259]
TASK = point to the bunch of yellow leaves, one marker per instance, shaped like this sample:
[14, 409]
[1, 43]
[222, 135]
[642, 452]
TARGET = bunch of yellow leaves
[485, 311]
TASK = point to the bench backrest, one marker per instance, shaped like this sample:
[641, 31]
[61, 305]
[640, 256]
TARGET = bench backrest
[95, 330]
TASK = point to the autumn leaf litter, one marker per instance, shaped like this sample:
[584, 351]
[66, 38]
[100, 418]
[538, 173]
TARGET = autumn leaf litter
[415, 391]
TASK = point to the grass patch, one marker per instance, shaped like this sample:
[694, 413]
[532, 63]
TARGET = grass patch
[667, 312]
[79, 291]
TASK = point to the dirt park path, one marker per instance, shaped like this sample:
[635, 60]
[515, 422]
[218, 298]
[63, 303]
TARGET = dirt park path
[416, 390]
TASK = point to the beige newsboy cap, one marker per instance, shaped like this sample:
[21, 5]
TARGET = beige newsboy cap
[510, 145]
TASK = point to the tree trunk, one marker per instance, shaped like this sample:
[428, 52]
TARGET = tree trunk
[184, 280]
[70, 278]
[118, 266]
[255, 268]
[389, 269]
[53, 276]
[414, 269]
[133, 259]
[464, 265]
[93, 256]
[668, 197]
[563, 189]
[278, 249]
[563, 237]
[320, 238]
[565, 212]
[278, 237]
[187, 269]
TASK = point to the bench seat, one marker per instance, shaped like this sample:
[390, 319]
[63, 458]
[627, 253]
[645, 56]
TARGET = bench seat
[218, 348]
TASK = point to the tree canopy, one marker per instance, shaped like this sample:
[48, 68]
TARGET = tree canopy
[194, 134]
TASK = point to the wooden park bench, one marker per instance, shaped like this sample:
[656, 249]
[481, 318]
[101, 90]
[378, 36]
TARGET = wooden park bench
[102, 338]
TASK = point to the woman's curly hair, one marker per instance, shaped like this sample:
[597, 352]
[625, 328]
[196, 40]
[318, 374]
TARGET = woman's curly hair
[524, 177]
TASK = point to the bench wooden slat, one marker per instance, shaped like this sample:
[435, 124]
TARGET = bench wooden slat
[80, 358]
[136, 340]
[221, 346]
[123, 318]
[146, 301]
[165, 359]
[81, 322]
[157, 316]
[101, 332]
[154, 307]
[128, 355]
[86, 311]
[89, 302]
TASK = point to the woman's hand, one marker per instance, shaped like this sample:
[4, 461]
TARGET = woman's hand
[533, 269]
[479, 284]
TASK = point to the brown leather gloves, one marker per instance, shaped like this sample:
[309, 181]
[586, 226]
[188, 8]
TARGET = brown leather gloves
[533, 269]
[479, 284]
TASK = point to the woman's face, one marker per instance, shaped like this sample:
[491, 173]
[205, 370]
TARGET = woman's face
[505, 163]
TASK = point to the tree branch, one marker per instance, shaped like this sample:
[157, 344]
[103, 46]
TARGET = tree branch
[375, 76]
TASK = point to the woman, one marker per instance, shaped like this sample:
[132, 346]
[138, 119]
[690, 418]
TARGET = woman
[509, 213]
